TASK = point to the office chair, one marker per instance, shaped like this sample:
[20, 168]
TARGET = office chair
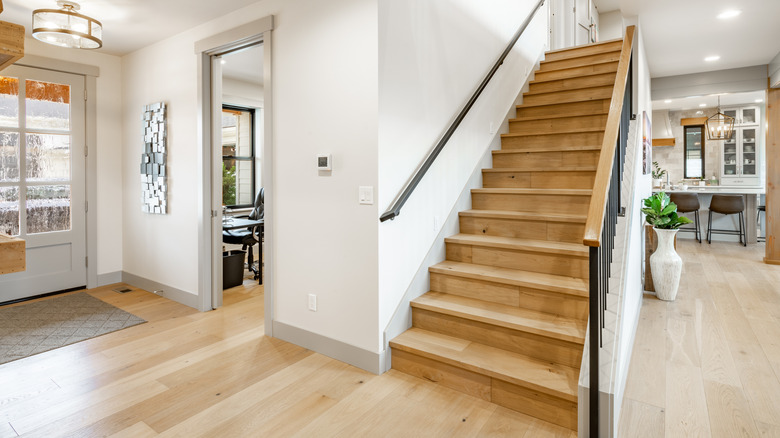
[248, 237]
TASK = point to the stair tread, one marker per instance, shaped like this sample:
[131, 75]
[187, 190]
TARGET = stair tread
[545, 80]
[515, 277]
[596, 116]
[548, 246]
[594, 87]
[582, 47]
[530, 321]
[502, 214]
[614, 53]
[549, 378]
[512, 191]
[528, 134]
[560, 113]
[556, 169]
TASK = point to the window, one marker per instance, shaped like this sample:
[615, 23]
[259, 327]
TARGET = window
[694, 151]
[238, 156]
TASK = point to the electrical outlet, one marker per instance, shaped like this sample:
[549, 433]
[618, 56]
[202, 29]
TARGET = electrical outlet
[313, 302]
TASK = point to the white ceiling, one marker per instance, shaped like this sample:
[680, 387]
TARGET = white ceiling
[245, 65]
[129, 25]
[711, 101]
[679, 34]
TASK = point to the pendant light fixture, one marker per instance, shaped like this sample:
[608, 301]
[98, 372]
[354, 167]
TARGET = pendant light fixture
[66, 27]
[720, 126]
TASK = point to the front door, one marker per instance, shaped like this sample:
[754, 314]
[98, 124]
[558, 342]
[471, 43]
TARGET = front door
[43, 178]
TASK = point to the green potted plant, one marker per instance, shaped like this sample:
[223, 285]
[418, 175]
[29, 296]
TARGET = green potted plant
[665, 263]
[658, 174]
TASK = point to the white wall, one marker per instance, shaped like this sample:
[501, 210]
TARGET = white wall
[610, 25]
[109, 147]
[325, 82]
[432, 55]
[242, 93]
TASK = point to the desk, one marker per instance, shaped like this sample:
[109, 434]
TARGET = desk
[235, 223]
[751, 207]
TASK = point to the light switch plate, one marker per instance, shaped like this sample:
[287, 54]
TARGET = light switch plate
[366, 195]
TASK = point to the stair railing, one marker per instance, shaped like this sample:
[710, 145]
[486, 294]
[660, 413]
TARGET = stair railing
[402, 196]
[605, 207]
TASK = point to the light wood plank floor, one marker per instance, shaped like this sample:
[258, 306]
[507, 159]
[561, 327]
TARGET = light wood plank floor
[190, 374]
[708, 364]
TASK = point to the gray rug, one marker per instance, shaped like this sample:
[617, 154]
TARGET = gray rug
[45, 325]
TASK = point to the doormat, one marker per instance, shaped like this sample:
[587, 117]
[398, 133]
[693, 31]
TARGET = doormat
[40, 326]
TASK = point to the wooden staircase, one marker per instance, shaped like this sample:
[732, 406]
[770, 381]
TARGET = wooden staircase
[506, 314]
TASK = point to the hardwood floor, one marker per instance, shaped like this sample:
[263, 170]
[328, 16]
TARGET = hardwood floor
[708, 364]
[186, 373]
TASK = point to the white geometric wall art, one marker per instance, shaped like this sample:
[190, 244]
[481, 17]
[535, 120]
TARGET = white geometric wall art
[154, 189]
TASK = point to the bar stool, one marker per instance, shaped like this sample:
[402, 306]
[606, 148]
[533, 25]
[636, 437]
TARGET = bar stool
[728, 204]
[761, 209]
[688, 203]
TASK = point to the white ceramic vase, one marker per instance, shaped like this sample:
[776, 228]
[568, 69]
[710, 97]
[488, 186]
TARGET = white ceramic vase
[657, 182]
[666, 266]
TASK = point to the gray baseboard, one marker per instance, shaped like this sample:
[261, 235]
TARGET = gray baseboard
[109, 278]
[169, 292]
[363, 359]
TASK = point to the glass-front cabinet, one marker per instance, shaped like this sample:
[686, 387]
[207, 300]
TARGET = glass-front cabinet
[744, 116]
[740, 160]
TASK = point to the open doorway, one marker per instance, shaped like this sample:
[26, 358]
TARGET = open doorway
[241, 172]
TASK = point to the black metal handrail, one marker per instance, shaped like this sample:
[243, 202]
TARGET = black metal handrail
[403, 195]
[601, 256]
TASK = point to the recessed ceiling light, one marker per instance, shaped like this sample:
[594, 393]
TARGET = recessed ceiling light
[222, 61]
[702, 105]
[759, 100]
[668, 101]
[712, 58]
[731, 13]
[699, 112]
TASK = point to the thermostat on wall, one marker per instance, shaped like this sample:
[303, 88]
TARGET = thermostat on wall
[324, 162]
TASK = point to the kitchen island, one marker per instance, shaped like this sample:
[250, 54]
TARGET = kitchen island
[720, 221]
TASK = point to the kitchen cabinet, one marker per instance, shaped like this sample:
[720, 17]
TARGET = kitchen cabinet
[744, 116]
[741, 158]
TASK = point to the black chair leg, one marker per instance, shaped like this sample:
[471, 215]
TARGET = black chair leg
[250, 258]
[696, 223]
[709, 228]
[742, 229]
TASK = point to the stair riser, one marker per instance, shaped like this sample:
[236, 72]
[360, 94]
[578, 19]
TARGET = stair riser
[511, 396]
[571, 109]
[580, 61]
[553, 142]
[583, 51]
[584, 94]
[527, 298]
[540, 347]
[607, 67]
[546, 263]
[532, 203]
[539, 180]
[553, 126]
[524, 229]
[572, 83]
[546, 160]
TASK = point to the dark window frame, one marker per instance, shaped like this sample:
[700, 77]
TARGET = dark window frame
[251, 159]
[685, 150]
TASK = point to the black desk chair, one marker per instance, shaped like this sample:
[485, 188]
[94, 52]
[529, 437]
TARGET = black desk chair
[249, 237]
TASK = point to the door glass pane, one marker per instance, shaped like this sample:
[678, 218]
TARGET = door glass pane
[9, 156]
[749, 115]
[749, 152]
[48, 209]
[9, 102]
[47, 105]
[48, 157]
[9, 210]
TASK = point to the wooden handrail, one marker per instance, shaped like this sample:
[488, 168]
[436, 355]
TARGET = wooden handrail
[598, 199]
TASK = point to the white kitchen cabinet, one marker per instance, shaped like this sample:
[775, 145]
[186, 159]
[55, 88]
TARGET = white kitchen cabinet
[744, 116]
[741, 158]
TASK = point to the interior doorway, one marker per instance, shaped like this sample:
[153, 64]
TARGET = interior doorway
[211, 52]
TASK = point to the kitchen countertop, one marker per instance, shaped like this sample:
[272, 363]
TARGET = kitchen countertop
[735, 190]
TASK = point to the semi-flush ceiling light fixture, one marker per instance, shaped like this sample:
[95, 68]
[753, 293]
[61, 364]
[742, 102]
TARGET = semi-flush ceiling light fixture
[720, 126]
[67, 28]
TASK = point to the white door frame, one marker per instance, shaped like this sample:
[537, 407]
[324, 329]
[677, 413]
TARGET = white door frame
[90, 73]
[209, 206]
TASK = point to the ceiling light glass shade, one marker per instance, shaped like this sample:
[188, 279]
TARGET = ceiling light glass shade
[720, 127]
[67, 28]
